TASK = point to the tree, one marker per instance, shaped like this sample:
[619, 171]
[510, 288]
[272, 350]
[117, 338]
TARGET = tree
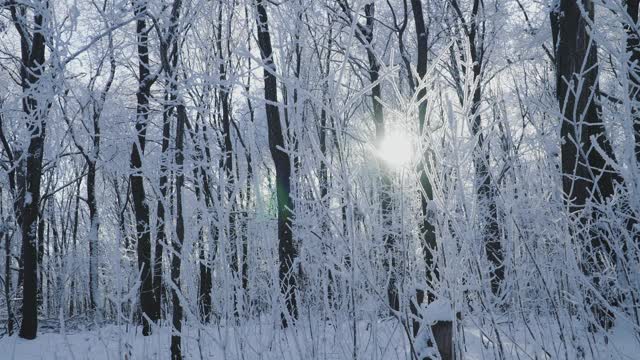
[16, 185]
[587, 176]
[287, 252]
[141, 209]
[35, 110]
[93, 111]
[176, 257]
[364, 34]
[633, 51]
[474, 61]
[427, 229]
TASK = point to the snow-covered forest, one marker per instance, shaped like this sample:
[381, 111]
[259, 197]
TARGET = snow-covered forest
[319, 179]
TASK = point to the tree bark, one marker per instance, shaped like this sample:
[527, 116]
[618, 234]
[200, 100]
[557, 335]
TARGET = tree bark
[287, 252]
[485, 188]
[141, 209]
[201, 187]
[92, 160]
[427, 229]
[586, 174]
[32, 66]
[176, 258]
[633, 51]
[364, 34]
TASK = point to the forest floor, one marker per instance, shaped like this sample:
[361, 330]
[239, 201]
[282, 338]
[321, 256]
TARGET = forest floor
[322, 340]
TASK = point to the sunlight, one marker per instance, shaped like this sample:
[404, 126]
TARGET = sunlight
[397, 149]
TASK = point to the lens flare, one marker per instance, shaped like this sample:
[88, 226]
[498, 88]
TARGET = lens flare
[397, 149]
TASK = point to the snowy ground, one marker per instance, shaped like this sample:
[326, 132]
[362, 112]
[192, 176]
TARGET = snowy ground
[383, 340]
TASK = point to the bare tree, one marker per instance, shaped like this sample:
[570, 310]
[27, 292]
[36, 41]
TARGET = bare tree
[474, 62]
[148, 303]
[287, 252]
[587, 176]
[633, 51]
[35, 108]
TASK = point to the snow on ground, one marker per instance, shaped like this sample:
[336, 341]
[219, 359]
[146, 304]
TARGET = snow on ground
[263, 341]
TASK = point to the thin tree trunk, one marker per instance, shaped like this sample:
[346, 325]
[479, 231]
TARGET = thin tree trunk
[74, 242]
[176, 260]
[16, 185]
[92, 159]
[205, 259]
[161, 222]
[94, 227]
[4, 233]
[386, 203]
[485, 188]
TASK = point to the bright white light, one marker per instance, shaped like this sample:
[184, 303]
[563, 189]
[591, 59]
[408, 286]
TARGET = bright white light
[397, 149]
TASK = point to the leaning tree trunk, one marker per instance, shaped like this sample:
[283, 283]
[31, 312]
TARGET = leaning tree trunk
[586, 174]
[287, 252]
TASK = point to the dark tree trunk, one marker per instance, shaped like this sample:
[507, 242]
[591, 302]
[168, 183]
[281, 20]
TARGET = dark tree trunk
[633, 51]
[29, 326]
[7, 277]
[202, 191]
[94, 222]
[586, 175]
[16, 185]
[427, 229]
[74, 242]
[441, 330]
[40, 252]
[487, 194]
[386, 204]
[287, 252]
[33, 58]
[161, 224]
[485, 188]
[169, 59]
[93, 233]
[141, 209]
[176, 258]
[21, 187]
[365, 37]
[92, 160]
[323, 179]
[227, 164]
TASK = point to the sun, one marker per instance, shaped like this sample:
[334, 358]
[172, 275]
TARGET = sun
[397, 149]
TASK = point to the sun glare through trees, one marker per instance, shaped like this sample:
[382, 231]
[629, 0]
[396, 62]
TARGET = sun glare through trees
[397, 149]
[319, 179]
